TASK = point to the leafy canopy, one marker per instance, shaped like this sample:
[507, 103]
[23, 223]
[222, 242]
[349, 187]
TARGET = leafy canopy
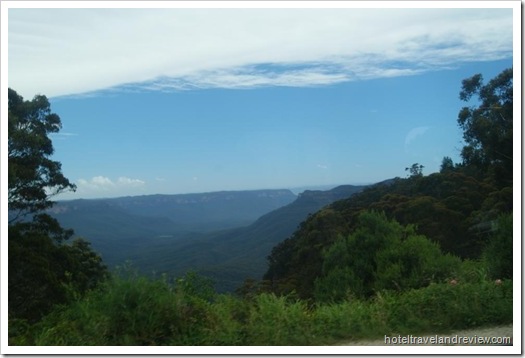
[487, 126]
[380, 255]
[43, 271]
[33, 177]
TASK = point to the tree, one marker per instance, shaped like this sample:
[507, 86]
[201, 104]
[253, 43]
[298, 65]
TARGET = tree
[33, 178]
[447, 165]
[43, 271]
[380, 254]
[487, 126]
[416, 170]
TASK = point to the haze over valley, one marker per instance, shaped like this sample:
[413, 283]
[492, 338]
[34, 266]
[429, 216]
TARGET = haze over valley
[224, 235]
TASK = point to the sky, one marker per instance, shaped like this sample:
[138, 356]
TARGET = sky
[186, 100]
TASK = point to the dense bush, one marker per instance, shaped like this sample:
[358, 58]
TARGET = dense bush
[135, 310]
[451, 209]
[43, 271]
[444, 307]
[498, 252]
[130, 310]
[276, 321]
[381, 255]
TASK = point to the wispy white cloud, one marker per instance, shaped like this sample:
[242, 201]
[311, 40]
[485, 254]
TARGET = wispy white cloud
[74, 51]
[62, 135]
[413, 134]
[130, 182]
[242, 77]
[104, 185]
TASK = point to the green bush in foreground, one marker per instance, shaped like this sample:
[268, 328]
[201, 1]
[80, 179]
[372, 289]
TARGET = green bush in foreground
[140, 311]
[129, 311]
[276, 321]
[445, 307]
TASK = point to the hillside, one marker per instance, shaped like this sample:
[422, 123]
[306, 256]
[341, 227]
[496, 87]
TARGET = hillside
[224, 235]
[231, 256]
[122, 227]
[455, 211]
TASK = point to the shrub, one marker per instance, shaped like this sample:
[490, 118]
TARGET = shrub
[129, 310]
[135, 310]
[445, 307]
[227, 321]
[381, 255]
[498, 252]
[276, 321]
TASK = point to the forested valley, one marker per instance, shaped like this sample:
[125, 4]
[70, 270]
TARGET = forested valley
[420, 254]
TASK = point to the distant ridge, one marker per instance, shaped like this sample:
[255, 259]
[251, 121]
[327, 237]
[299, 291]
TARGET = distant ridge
[231, 256]
[119, 228]
[225, 235]
[188, 212]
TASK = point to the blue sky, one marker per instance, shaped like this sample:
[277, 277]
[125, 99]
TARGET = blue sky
[195, 100]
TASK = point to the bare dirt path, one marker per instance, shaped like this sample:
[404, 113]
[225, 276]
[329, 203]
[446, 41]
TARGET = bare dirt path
[473, 337]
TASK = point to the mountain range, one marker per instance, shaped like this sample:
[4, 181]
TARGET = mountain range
[224, 235]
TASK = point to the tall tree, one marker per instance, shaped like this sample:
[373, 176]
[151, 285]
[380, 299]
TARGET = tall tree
[487, 126]
[43, 271]
[33, 178]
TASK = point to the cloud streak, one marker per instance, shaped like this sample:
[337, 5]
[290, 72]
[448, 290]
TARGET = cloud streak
[104, 185]
[74, 51]
[413, 134]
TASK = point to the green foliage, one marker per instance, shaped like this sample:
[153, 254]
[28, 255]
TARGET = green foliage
[277, 321]
[118, 230]
[32, 176]
[134, 310]
[445, 307]
[447, 165]
[227, 320]
[130, 310]
[196, 285]
[473, 271]
[451, 209]
[487, 128]
[84, 268]
[34, 284]
[498, 253]
[416, 170]
[348, 320]
[413, 263]
[296, 262]
[380, 255]
[43, 271]
[337, 285]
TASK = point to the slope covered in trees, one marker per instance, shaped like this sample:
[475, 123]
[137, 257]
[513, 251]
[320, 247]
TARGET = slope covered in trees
[459, 209]
[231, 256]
